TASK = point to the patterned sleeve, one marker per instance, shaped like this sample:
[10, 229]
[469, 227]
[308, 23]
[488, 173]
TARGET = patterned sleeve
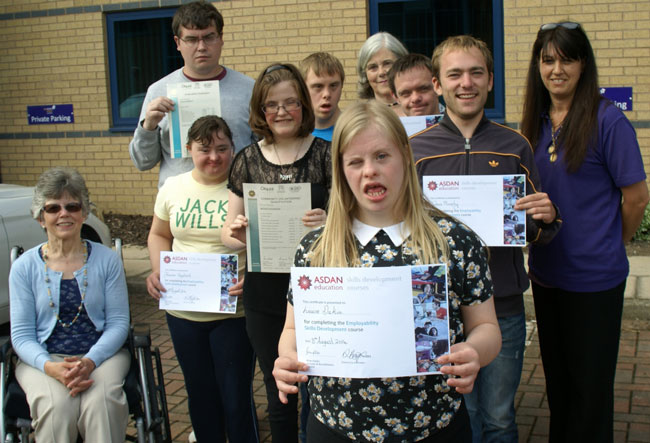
[328, 166]
[238, 173]
[470, 280]
[301, 259]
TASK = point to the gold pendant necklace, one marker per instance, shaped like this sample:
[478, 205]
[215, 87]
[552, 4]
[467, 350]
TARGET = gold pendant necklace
[552, 150]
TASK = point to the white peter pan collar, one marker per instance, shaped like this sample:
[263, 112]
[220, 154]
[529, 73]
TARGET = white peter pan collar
[364, 233]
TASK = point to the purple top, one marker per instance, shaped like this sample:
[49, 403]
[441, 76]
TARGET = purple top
[587, 254]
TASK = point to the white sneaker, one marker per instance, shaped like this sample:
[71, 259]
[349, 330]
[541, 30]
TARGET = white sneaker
[191, 438]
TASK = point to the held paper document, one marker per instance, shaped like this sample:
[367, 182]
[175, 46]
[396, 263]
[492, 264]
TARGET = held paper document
[371, 322]
[275, 225]
[191, 101]
[417, 123]
[198, 281]
[485, 203]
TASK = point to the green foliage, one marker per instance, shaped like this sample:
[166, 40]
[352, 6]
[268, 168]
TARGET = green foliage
[643, 233]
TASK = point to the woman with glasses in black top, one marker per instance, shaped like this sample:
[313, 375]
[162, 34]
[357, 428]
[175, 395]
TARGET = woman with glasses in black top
[282, 115]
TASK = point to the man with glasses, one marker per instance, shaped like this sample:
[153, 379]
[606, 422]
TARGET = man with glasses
[198, 33]
[465, 142]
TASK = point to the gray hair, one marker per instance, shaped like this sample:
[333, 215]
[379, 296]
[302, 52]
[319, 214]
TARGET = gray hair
[373, 44]
[55, 182]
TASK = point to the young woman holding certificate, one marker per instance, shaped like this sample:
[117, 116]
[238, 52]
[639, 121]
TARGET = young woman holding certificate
[212, 349]
[378, 217]
[282, 115]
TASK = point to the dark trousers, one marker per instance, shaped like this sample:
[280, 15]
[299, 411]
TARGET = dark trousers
[458, 430]
[218, 365]
[578, 339]
[264, 332]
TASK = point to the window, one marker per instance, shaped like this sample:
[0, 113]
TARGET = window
[141, 50]
[422, 24]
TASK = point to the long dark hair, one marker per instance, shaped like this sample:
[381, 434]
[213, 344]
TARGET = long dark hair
[581, 123]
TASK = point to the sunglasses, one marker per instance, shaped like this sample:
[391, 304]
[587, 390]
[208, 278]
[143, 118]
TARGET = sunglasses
[565, 25]
[55, 208]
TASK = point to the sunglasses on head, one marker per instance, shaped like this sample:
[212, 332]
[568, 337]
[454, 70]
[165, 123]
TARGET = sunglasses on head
[565, 25]
[55, 208]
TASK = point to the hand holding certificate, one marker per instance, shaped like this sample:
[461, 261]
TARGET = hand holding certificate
[371, 322]
[193, 285]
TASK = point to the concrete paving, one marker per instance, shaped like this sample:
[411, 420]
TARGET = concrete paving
[632, 388]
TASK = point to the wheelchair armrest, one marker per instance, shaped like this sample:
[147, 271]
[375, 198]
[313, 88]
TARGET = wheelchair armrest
[141, 335]
[5, 347]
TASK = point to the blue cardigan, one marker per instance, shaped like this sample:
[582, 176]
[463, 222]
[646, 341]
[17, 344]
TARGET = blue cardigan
[33, 320]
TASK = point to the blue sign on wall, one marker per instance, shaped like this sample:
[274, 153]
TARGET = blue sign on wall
[621, 97]
[49, 114]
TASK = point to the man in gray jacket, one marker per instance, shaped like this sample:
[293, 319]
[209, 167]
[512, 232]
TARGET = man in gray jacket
[198, 33]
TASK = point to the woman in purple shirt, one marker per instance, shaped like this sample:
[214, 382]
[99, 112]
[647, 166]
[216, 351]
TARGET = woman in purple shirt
[591, 167]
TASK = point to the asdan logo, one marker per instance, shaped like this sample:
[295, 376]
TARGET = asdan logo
[443, 185]
[167, 259]
[304, 282]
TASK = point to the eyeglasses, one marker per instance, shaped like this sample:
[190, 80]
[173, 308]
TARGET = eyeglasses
[273, 108]
[565, 25]
[55, 208]
[385, 66]
[209, 39]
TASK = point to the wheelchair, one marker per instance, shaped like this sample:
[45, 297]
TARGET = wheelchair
[144, 388]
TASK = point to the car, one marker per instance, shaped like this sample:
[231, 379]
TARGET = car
[18, 228]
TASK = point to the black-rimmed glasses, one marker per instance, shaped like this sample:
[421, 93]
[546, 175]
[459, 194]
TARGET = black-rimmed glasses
[565, 25]
[55, 208]
[290, 105]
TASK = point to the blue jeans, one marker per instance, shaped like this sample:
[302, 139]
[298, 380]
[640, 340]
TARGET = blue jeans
[218, 366]
[491, 403]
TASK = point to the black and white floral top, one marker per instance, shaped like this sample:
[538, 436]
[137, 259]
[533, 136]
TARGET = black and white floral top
[401, 409]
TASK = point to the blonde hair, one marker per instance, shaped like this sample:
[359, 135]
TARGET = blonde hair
[336, 247]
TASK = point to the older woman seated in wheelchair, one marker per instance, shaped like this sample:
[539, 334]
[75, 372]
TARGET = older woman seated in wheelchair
[69, 320]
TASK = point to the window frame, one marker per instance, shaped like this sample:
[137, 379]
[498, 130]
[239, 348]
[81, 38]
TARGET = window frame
[122, 124]
[498, 112]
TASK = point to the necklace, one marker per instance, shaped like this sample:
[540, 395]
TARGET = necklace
[284, 173]
[552, 150]
[84, 285]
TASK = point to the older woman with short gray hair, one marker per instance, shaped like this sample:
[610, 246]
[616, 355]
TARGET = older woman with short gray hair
[376, 57]
[69, 320]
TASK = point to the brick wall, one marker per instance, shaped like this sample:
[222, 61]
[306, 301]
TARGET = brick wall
[57, 55]
[619, 33]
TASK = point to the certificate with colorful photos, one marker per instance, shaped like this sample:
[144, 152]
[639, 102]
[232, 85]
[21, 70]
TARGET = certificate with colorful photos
[191, 101]
[193, 283]
[371, 322]
[485, 203]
